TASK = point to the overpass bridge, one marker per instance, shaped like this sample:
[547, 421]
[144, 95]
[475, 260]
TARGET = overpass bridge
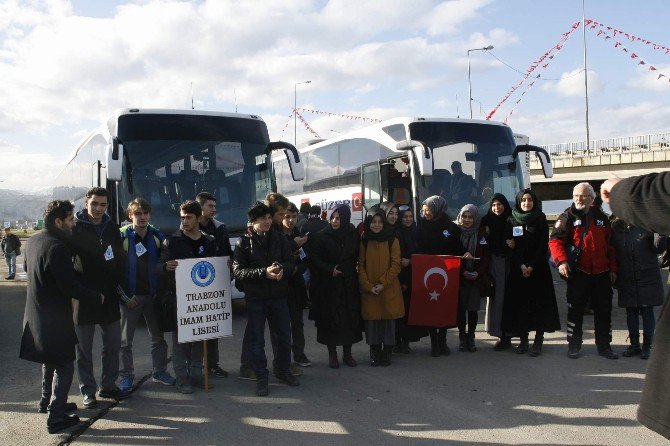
[624, 157]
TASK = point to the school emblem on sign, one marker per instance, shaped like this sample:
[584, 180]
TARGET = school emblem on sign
[202, 273]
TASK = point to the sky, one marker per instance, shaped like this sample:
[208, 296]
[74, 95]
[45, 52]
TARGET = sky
[67, 65]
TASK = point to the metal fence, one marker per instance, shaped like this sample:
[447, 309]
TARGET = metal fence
[628, 144]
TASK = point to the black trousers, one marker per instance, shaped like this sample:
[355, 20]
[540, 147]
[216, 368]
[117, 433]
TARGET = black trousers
[56, 382]
[597, 288]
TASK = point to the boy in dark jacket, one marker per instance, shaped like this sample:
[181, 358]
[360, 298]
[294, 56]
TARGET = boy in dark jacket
[99, 263]
[262, 263]
[187, 243]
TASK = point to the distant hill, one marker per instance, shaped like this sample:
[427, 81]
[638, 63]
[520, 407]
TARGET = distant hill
[21, 206]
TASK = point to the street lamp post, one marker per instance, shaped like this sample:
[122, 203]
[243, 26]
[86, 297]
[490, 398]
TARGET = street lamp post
[486, 48]
[295, 110]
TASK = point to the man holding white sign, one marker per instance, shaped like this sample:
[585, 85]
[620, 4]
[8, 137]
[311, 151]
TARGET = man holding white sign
[189, 243]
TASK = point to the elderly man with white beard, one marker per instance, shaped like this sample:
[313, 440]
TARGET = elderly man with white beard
[581, 247]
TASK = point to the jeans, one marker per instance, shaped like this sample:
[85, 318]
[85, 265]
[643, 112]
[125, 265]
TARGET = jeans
[111, 344]
[276, 312]
[633, 321]
[186, 358]
[10, 258]
[56, 382]
[598, 288]
[129, 319]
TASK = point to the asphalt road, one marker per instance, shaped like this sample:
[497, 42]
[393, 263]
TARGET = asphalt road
[487, 397]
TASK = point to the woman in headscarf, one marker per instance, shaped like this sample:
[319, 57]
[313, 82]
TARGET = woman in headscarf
[381, 300]
[474, 272]
[408, 246]
[336, 304]
[494, 224]
[530, 299]
[436, 234]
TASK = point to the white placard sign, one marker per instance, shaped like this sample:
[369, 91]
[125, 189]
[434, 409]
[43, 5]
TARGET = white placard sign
[203, 299]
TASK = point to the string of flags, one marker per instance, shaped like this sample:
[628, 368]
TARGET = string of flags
[632, 37]
[550, 54]
[633, 56]
[339, 115]
[287, 123]
[304, 122]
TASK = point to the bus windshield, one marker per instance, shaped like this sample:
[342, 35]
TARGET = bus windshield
[471, 162]
[170, 158]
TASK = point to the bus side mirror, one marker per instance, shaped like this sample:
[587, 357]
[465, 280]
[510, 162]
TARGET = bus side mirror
[114, 157]
[543, 156]
[424, 155]
[292, 156]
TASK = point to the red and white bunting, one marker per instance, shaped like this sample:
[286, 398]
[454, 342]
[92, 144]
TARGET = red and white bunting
[304, 122]
[339, 115]
[592, 24]
[547, 55]
[623, 48]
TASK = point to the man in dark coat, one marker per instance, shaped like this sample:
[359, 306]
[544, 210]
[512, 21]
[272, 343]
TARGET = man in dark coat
[99, 263]
[209, 225]
[644, 202]
[48, 329]
[314, 223]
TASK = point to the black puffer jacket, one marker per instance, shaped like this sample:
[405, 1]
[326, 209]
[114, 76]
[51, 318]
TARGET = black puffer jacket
[639, 280]
[440, 236]
[253, 254]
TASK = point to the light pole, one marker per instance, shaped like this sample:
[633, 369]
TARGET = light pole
[295, 110]
[486, 48]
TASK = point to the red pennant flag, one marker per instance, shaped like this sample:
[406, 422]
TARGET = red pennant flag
[652, 68]
[642, 62]
[633, 56]
[435, 282]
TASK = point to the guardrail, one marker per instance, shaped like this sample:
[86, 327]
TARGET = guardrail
[627, 144]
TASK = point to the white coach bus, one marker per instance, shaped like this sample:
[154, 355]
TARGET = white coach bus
[168, 156]
[406, 160]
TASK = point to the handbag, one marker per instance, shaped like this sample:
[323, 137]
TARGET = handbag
[573, 252]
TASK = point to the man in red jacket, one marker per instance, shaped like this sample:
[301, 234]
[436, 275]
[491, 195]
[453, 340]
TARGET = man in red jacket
[584, 228]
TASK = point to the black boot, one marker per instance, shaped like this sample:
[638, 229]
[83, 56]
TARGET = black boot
[504, 343]
[646, 346]
[434, 347]
[376, 353]
[462, 341]
[470, 342]
[634, 347]
[442, 342]
[523, 345]
[536, 348]
[385, 359]
[605, 350]
[573, 350]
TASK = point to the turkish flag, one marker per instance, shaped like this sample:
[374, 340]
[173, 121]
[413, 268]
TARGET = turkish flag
[434, 301]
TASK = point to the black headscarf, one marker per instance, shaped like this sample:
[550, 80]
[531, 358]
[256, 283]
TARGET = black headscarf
[344, 213]
[496, 224]
[530, 217]
[387, 231]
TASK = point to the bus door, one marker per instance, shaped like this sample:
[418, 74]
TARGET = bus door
[387, 180]
[371, 184]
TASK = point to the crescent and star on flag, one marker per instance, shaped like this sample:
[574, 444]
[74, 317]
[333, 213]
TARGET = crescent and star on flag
[439, 271]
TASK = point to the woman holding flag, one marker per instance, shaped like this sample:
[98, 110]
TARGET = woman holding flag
[474, 274]
[438, 235]
[530, 298]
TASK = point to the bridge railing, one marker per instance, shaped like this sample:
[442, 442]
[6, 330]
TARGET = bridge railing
[607, 146]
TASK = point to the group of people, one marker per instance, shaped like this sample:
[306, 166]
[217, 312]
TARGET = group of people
[356, 280]
[84, 271]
